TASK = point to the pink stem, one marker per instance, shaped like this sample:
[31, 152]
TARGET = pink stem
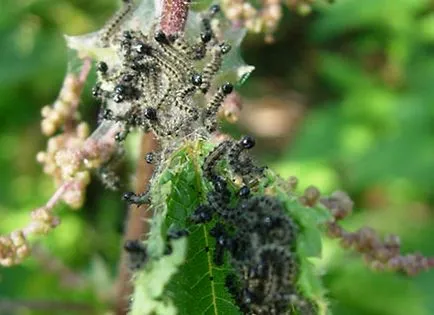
[174, 16]
[57, 195]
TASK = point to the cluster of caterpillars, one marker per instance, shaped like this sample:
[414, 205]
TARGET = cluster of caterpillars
[153, 81]
[164, 83]
[161, 82]
[256, 232]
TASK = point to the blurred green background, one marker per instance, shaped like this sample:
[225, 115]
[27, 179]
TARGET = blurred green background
[343, 99]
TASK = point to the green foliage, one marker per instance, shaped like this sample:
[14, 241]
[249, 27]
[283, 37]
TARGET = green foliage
[366, 69]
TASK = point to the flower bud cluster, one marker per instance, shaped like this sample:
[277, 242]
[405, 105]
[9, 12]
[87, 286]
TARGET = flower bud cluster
[380, 253]
[264, 19]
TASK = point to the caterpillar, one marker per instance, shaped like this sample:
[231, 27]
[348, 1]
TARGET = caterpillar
[137, 254]
[113, 25]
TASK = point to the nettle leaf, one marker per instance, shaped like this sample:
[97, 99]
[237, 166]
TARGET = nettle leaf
[198, 288]
[187, 281]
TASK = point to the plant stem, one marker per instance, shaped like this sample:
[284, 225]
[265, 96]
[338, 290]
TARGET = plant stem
[136, 225]
[173, 17]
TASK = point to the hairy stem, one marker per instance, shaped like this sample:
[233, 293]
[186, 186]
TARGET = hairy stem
[174, 15]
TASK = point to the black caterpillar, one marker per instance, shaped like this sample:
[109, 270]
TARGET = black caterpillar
[137, 254]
